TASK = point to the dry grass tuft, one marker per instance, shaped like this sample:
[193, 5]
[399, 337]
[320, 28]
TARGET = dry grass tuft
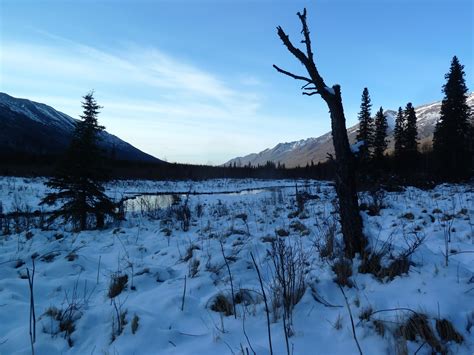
[418, 326]
[343, 270]
[447, 332]
[118, 283]
[222, 304]
[366, 313]
[134, 324]
[190, 252]
[282, 232]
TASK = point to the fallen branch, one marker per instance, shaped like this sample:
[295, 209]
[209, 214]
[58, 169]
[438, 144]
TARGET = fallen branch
[352, 320]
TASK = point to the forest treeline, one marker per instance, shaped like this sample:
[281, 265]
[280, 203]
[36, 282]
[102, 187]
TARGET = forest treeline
[449, 159]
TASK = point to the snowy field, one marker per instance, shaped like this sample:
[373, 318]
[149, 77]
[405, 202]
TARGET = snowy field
[153, 284]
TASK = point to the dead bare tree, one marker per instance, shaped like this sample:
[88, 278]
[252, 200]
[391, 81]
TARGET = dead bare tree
[351, 222]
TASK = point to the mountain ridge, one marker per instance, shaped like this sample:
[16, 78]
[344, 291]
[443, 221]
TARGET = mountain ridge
[315, 149]
[31, 127]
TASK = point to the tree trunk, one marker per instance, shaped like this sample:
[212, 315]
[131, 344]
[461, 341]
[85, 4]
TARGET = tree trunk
[351, 222]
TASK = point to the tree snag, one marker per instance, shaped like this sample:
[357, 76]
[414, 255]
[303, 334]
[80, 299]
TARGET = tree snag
[351, 222]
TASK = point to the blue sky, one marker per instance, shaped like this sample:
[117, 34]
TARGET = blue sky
[192, 80]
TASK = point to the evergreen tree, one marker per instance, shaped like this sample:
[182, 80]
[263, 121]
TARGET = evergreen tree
[365, 132]
[79, 177]
[398, 132]
[410, 134]
[380, 139]
[451, 141]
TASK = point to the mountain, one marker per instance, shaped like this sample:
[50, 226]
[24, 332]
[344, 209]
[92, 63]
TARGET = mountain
[300, 153]
[34, 128]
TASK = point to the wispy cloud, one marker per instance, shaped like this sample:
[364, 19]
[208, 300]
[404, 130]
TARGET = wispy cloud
[154, 100]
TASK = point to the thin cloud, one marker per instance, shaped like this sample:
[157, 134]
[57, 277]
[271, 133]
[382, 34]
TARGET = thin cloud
[159, 103]
[64, 59]
[139, 88]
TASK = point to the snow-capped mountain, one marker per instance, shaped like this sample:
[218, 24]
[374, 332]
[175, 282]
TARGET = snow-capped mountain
[35, 128]
[300, 153]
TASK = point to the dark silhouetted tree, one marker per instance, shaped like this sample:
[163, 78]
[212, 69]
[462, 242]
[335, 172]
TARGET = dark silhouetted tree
[380, 139]
[365, 132]
[410, 135]
[77, 183]
[451, 140]
[398, 133]
[351, 222]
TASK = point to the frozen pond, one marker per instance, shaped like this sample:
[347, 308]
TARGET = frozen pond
[150, 202]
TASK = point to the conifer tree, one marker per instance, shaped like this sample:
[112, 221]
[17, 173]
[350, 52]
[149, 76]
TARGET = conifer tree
[365, 132]
[451, 141]
[410, 134]
[380, 139]
[399, 132]
[77, 183]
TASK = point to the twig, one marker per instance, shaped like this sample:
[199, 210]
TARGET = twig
[394, 309]
[245, 334]
[184, 294]
[98, 269]
[230, 276]
[352, 320]
[266, 304]
[420, 347]
[318, 298]
[31, 279]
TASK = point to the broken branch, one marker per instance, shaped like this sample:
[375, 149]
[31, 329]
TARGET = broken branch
[294, 76]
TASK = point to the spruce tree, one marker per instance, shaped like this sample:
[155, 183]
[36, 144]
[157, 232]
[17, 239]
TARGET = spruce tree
[451, 141]
[380, 139]
[365, 132]
[398, 133]
[410, 134]
[77, 184]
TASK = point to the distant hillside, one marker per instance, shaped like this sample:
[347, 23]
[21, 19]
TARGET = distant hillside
[34, 128]
[304, 151]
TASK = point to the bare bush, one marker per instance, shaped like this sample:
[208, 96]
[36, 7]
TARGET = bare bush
[385, 266]
[326, 242]
[289, 264]
[373, 202]
[63, 319]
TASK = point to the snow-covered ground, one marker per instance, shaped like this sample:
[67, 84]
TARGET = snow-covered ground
[78, 312]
